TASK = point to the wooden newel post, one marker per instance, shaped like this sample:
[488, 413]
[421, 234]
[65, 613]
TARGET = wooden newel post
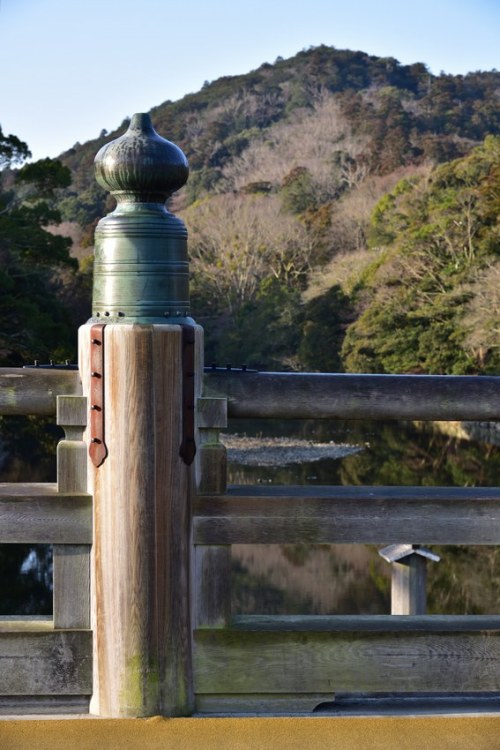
[140, 363]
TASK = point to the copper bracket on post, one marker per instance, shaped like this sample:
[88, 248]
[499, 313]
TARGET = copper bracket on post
[188, 445]
[97, 449]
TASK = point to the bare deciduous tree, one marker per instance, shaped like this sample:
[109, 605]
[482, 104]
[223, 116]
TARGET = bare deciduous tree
[238, 240]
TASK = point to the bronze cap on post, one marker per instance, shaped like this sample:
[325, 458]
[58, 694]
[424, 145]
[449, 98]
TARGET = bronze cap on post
[141, 263]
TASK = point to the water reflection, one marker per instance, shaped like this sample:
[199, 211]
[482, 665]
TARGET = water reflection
[352, 579]
[286, 579]
[27, 454]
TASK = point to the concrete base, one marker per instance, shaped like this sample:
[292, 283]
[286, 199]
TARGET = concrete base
[451, 732]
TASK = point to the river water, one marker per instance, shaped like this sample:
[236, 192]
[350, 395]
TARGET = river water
[354, 579]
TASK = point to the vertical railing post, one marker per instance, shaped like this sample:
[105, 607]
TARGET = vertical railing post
[408, 577]
[212, 567]
[140, 363]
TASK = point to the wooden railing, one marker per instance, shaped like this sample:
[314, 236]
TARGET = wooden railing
[290, 663]
[47, 661]
[261, 663]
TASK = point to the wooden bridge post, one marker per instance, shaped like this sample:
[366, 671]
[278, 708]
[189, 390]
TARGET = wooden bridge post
[408, 577]
[140, 363]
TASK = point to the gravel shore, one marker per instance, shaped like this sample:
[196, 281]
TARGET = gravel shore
[281, 451]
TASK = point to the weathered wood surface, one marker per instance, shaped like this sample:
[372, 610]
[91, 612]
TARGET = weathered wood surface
[212, 569]
[46, 663]
[367, 623]
[228, 661]
[211, 413]
[141, 554]
[212, 582]
[211, 469]
[72, 451]
[36, 513]
[23, 623]
[29, 705]
[71, 586]
[261, 704]
[409, 587]
[364, 515]
[34, 391]
[316, 396]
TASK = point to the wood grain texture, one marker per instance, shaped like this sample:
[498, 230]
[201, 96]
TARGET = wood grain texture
[32, 391]
[36, 513]
[23, 623]
[408, 587]
[261, 704]
[367, 623]
[26, 705]
[211, 413]
[142, 546]
[72, 451]
[364, 515]
[71, 586]
[280, 395]
[212, 465]
[212, 580]
[56, 663]
[286, 662]
[211, 472]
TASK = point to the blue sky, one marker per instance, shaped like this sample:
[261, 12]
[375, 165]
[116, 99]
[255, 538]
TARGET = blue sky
[70, 68]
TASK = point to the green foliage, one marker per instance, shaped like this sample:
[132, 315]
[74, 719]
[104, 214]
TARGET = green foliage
[323, 330]
[86, 207]
[297, 191]
[33, 319]
[264, 332]
[440, 235]
[12, 150]
[45, 176]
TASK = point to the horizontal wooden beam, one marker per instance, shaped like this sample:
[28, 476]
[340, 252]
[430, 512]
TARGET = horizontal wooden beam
[346, 396]
[261, 704]
[249, 661]
[367, 623]
[354, 515]
[46, 663]
[29, 705]
[38, 514]
[34, 391]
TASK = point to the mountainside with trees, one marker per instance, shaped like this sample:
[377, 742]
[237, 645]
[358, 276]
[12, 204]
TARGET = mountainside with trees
[344, 203]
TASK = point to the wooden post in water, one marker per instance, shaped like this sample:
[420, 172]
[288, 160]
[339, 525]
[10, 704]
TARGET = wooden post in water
[408, 577]
[140, 359]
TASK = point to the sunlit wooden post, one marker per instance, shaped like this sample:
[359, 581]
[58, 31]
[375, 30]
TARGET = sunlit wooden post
[140, 359]
[408, 577]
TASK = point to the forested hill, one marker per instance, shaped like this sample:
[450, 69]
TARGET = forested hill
[402, 113]
[344, 203]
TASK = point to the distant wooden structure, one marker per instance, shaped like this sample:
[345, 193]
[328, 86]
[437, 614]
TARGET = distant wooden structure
[142, 529]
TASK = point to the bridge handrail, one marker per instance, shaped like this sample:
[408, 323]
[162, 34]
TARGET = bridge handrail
[291, 395]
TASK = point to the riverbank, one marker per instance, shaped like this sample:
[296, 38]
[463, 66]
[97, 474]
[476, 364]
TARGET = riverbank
[281, 451]
[481, 432]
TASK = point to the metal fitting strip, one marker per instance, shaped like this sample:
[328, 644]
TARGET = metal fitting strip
[188, 445]
[97, 450]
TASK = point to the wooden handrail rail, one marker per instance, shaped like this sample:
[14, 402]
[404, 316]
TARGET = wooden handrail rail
[354, 515]
[290, 395]
[34, 391]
